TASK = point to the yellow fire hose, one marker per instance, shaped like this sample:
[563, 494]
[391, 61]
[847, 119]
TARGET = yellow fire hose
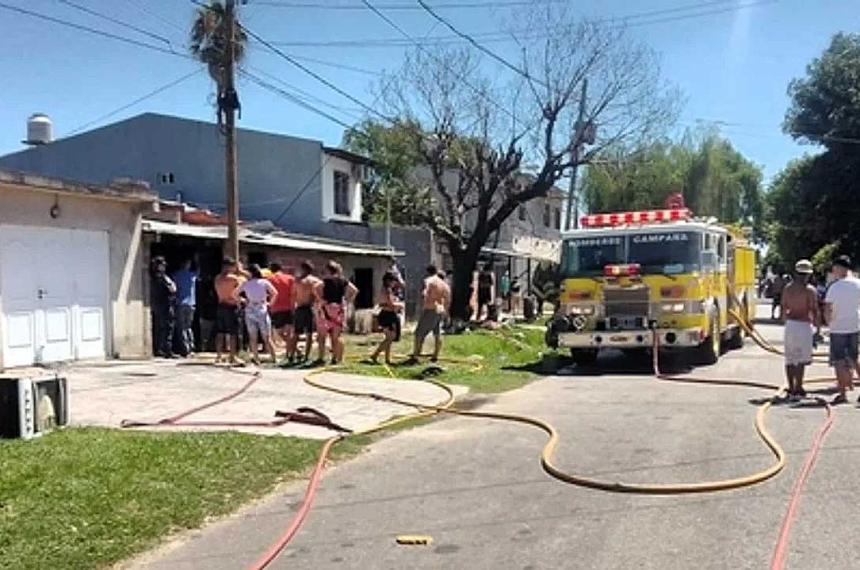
[549, 448]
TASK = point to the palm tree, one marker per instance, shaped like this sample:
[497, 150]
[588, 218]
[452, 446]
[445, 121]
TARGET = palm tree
[212, 34]
[209, 37]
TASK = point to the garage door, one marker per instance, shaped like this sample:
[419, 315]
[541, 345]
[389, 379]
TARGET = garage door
[53, 294]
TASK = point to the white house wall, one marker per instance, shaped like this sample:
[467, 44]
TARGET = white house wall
[331, 164]
[128, 335]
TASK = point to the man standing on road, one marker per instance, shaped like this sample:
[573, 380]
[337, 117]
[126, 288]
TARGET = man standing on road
[283, 307]
[841, 306]
[227, 323]
[306, 285]
[186, 302]
[799, 309]
[776, 288]
[437, 299]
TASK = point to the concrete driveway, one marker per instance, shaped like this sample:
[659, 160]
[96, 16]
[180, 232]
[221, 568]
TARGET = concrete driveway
[104, 394]
[478, 489]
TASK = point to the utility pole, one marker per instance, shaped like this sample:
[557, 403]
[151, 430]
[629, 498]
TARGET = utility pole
[572, 220]
[387, 217]
[229, 109]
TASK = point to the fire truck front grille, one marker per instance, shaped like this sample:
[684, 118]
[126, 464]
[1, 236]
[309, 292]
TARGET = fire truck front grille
[627, 302]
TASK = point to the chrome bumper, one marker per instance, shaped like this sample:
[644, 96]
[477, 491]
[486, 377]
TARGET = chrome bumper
[631, 339]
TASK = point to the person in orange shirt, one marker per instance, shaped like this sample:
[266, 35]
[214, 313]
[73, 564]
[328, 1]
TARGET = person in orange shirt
[227, 320]
[283, 307]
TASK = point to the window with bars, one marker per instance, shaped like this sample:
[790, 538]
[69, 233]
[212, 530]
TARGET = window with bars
[557, 218]
[521, 213]
[342, 206]
[547, 215]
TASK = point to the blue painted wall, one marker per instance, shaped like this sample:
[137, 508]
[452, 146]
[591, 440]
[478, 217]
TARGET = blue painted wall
[273, 169]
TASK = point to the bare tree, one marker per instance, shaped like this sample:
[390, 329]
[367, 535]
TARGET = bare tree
[487, 146]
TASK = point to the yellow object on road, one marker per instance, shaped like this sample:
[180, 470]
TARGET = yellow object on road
[414, 539]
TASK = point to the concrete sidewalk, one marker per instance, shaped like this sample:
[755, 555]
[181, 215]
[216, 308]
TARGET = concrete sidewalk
[106, 393]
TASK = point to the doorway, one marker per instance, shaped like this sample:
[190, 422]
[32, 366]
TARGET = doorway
[363, 280]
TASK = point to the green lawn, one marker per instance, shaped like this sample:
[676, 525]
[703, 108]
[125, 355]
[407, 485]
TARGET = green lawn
[508, 358]
[88, 497]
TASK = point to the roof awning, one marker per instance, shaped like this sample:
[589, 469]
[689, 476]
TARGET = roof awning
[275, 239]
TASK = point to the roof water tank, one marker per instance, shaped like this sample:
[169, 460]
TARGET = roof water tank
[39, 129]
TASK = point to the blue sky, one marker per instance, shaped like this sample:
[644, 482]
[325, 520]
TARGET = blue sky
[732, 66]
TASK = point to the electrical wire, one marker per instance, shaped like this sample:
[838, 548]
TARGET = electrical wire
[93, 31]
[316, 75]
[302, 94]
[116, 21]
[480, 47]
[291, 97]
[140, 99]
[402, 6]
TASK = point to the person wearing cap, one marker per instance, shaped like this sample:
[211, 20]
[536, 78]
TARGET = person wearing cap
[842, 312]
[799, 311]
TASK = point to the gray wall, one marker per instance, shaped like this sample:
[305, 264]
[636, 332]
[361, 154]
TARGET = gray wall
[416, 243]
[272, 168]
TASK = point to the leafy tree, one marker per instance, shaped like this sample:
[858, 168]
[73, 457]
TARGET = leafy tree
[813, 201]
[714, 178]
[478, 150]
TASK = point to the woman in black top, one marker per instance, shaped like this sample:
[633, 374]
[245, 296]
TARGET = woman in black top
[389, 318]
[333, 293]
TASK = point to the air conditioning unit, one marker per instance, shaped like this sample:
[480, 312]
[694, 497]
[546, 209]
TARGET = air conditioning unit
[31, 407]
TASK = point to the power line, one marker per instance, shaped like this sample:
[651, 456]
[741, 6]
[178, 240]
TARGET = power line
[629, 20]
[140, 99]
[401, 6]
[90, 30]
[302, 94]
[116, 21]
[480, 92]
[292, 97]
[316, 75]
[478, 46]
[142, 7]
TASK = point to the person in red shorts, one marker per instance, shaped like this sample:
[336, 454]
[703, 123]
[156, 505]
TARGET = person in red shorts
[334, 293]
[282, 309]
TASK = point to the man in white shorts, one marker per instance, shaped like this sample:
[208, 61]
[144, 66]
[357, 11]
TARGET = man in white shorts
[799, 309]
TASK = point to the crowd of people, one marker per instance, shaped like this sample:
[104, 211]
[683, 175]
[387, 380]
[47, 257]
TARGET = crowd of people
[295, 309]
[804, 307]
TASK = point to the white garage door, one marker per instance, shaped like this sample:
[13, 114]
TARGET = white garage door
[53, 294]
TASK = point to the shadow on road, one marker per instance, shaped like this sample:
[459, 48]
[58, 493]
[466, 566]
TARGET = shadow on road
[609, 363]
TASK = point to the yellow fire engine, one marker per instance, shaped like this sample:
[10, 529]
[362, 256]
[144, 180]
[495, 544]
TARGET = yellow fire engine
[628, 276]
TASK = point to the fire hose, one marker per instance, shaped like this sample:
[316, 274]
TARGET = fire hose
[547, 453]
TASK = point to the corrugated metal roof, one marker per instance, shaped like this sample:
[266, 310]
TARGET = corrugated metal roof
[286, 241]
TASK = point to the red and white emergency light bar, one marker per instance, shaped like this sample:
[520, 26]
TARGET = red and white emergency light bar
[641, 217]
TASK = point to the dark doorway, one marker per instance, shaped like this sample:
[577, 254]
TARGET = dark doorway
[363, 279]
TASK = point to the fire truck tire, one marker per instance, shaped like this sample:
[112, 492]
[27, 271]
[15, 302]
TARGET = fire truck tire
[583, 356]
[709, 351]
[736, 340]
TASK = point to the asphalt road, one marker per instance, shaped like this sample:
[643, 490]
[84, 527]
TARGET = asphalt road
[478, 489]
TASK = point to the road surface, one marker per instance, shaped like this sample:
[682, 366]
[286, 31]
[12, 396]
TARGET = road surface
[478, 489]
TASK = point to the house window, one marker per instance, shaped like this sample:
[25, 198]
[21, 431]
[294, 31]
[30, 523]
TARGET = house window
[557, 218]
[521, 213]
[547, 215]
[166, 178]
[341, 194]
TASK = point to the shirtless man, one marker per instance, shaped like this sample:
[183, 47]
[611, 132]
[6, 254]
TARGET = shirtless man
[799, 310]
[437, 299]
[303, 317]
[227, 322]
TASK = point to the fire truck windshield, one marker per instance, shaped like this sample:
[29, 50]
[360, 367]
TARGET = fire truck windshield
[658, 252]
[665, 252]
[589, 255]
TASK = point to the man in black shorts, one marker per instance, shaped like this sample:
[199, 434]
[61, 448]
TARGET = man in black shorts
[303, 316]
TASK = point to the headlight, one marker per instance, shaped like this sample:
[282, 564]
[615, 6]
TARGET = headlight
[672, 307]
[582, 309]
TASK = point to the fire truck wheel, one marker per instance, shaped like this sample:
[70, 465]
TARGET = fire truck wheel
[709, 350]
[583, 356]
[736, 340]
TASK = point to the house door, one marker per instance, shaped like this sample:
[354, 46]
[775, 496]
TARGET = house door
[53, 290]
[364, 283]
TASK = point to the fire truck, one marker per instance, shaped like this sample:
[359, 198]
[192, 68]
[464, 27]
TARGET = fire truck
[628, 276]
